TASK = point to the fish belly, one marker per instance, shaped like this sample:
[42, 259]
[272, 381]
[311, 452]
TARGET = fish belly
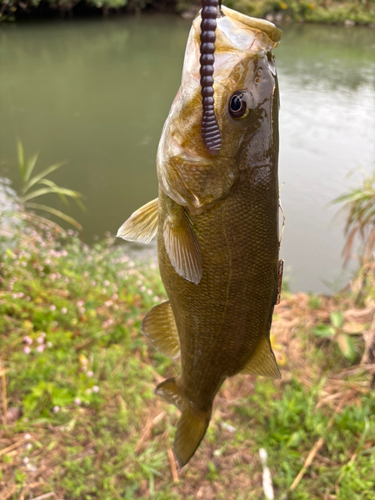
[221, 320]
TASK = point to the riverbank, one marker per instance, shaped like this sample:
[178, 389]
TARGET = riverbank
[347, 12]
[82, 421]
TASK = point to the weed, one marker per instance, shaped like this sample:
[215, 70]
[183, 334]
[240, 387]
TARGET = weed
[26, 169]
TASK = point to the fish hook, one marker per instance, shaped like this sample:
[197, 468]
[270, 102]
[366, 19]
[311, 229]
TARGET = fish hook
[210, 128]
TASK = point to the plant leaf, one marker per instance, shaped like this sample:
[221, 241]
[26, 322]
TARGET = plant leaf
[42, 174]
[53, 211]
[21, 159]
[80, 204]
[47, 182]
[359, 203]
[353, 328]
[324, 331]
[346, 346]
[36, 193]
[30, 166]
[337, 319]
[47, 190]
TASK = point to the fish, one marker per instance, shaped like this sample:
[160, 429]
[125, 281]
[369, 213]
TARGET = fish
[216, 219]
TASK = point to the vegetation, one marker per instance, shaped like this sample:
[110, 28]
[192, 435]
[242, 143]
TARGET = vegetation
[359, 205]
[79, 417]
[347, 12]
[26, 169]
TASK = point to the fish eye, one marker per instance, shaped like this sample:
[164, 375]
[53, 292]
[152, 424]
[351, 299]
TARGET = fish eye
[237, 105]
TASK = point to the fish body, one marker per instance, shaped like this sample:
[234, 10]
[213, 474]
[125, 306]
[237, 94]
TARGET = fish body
[217, 224]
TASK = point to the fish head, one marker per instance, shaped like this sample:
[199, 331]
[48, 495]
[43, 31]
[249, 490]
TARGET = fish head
[245, 95]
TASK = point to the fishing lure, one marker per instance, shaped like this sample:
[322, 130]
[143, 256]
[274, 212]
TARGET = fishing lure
[210, 128]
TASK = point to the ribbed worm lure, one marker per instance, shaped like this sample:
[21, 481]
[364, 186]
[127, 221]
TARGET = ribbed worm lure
[210, 128]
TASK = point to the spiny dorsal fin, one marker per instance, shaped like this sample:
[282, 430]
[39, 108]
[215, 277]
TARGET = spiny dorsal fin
[263, 362]
[192, 425]
[182, 247]
[142, 225]
[159, 327]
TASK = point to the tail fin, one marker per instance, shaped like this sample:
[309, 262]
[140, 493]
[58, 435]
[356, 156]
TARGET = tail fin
[192, 425]
[191, 429]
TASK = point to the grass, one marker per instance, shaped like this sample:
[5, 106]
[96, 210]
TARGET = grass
[359, 205]
[26, 168]
[82, 421]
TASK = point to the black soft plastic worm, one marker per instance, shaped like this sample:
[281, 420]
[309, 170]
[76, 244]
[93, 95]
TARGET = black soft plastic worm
[210, 128]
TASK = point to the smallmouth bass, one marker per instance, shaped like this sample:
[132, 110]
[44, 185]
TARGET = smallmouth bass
[216, 220]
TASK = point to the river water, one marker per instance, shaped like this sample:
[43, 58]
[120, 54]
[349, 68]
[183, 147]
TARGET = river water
[96, 93]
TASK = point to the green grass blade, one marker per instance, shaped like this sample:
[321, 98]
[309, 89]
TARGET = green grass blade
[54, 190]
[30, 166]
[80, 204]
[21, 159]
[64, 192]
[55, 212]
[36, 193]
[47, 182]
[70, 192]
[43, 174]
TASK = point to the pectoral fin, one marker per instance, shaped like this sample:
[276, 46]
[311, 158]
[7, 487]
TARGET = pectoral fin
[192, 425]
[263, 362]
[182, 247]
[160, 328]
[142, 225]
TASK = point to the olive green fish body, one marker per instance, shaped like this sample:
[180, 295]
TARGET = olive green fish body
[221, 320]
[217, 224]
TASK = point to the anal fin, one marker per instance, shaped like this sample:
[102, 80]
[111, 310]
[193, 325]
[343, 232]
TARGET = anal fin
[263, 361]
[170, 392]
[182, 246]
[160, 328]
[142, 225]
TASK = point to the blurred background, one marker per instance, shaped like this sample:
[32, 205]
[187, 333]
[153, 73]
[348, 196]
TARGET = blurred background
[88, 86]
[96, 92]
